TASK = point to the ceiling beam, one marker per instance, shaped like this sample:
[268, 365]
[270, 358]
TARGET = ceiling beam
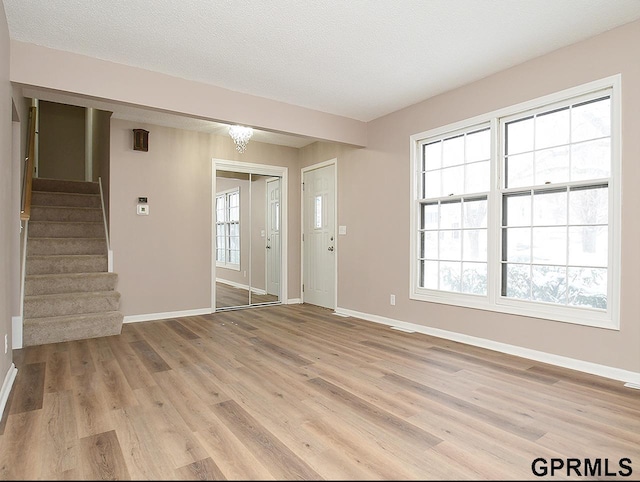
[37, 66]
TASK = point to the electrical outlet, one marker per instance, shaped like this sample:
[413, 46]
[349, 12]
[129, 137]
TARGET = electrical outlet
[392, 300]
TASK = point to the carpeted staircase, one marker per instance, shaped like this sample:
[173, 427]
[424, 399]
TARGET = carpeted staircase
[69, 293]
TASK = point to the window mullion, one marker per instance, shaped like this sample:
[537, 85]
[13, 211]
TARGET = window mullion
[566, 264]
[494, 232]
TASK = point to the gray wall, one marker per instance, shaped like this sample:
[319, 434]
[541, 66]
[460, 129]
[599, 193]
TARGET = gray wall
[61, 141]
[163, 260]
[374, 204]
[101, 151]
[9, 218]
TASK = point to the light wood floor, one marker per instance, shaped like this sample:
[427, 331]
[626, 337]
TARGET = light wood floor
[295, 392]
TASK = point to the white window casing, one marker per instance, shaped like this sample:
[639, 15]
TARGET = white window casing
[534, 215]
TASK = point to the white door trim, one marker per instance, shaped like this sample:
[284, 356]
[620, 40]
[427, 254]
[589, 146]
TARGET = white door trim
[330, 162]
[252, 168]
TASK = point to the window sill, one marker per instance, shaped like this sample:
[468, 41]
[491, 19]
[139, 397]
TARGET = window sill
[548, 312]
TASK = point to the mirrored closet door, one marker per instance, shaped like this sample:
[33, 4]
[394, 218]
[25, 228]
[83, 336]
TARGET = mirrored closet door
[247, 219]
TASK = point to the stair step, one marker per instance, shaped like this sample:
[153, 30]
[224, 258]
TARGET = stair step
[39, 331]
[53, 246]
[61, 213]
[61, 304]
[58, 185]
[45, 284]
[57, 264]
[63, 229]
[69, 199]
[68, 293]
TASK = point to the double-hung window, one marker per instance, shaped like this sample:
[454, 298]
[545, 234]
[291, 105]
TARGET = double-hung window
[228, 229]
[455, 174]
[518, 211]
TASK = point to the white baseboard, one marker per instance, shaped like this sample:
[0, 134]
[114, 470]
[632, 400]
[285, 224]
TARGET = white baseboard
[294, 301]
[632, 378]
[16, 332]
[6, 387]
[165, 315]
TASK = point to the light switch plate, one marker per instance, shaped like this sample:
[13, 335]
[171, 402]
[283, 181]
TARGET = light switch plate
[342, 230]
[143, 209]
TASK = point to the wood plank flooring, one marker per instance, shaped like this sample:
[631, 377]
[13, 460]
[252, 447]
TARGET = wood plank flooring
[295, 392]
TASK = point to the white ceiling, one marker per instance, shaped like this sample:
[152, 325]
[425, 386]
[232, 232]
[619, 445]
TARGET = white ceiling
[356, 58]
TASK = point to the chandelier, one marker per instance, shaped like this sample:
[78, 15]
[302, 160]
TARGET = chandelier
[240, 136]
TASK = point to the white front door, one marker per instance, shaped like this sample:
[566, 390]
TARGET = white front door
[319, 236]
[273, 237]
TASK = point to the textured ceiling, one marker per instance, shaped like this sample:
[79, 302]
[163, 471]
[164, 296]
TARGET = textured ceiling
[357, 58]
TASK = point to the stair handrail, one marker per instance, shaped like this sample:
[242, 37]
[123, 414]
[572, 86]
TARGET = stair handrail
[27, 178]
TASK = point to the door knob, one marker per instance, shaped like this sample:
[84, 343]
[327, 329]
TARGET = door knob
[330, 248]
[268, 247]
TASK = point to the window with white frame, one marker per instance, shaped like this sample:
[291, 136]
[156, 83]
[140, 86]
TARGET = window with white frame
[228, 229]
[517, 211]
[455, 172]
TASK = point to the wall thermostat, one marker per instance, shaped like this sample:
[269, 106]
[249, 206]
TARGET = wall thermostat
[142, 208]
